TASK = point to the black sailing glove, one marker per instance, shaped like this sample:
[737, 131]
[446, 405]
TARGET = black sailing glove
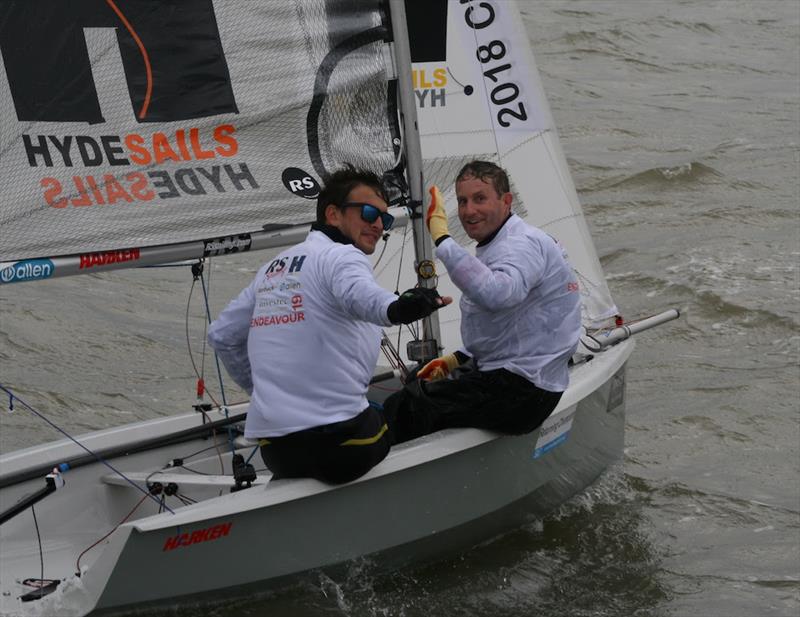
[414, 304]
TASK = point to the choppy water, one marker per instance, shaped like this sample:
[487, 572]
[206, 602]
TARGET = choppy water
[681, 122]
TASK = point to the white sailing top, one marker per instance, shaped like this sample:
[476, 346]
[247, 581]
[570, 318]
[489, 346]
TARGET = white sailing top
[302, 337]
[520, 308]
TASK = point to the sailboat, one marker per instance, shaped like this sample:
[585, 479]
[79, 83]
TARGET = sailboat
[136, 134]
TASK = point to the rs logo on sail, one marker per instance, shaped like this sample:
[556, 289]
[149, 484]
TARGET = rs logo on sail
[28, 270]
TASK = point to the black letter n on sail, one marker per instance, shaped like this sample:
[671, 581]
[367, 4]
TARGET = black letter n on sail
[162, 44]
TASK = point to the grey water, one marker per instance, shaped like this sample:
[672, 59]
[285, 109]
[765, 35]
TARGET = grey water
[681, 123]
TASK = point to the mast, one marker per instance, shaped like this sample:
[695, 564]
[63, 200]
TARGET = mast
[428, 347]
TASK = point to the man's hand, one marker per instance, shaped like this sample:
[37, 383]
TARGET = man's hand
[438, 368]
[415, 304]
[436, 219]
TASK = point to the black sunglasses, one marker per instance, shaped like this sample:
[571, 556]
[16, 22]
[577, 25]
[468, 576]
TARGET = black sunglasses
[370, 214]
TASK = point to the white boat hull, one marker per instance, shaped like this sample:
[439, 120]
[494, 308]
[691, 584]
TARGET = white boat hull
[437, 494]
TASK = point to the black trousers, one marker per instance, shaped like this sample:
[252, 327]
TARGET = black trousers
[497, 400]
[332, 453]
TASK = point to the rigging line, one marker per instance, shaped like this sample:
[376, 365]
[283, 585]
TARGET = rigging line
[256, 449]
[399, 270]
[127, 516]
[391, 355]
[385, 244]
[188, 340]
[150, 475]
[186, 457]
[229, 430]
[400, 265]
[385, 388]
[216, 444]
[205, 328]
[148, 70]
[199, 473]
[185, 499]
[216, 357]
[80, 445]
[39, 538]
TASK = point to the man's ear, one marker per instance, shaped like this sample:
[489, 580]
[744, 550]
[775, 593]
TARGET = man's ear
[332, 215]
[507, 199]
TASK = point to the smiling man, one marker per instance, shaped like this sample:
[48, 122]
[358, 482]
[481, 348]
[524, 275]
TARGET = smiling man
[520, 319]
[303, 339]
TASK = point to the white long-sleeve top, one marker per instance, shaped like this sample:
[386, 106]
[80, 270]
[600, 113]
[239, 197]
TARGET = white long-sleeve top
[520, 308]
[304, 337]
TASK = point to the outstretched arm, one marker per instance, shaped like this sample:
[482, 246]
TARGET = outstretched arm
[504, 285]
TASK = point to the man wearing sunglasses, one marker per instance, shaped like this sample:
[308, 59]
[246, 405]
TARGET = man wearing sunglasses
[520, 319]
[303, 339]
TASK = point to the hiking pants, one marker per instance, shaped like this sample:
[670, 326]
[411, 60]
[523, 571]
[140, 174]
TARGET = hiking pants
[332, 453]
[497, 400]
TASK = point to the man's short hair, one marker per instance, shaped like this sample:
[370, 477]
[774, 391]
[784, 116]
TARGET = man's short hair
[341, 182]
[487, 172]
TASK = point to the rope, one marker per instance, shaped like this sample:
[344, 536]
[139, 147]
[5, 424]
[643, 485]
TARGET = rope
[198, 373]
[39, 538]
[216, 358]
[219, 372]
[383, 250]
[79, 444]
[127, 516]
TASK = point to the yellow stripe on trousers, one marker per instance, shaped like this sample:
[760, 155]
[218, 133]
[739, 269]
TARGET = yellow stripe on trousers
[365, 441]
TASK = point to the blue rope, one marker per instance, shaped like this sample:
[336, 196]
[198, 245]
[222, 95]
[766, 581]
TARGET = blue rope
[13, 396]
[256, 449]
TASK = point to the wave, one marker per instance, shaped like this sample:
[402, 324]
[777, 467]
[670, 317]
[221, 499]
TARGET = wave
[705, 304]
[660, 177]
[697, 27]
[573, 13]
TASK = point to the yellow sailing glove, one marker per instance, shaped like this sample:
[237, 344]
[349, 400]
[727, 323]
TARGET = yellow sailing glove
[436, 220]
[438, 368]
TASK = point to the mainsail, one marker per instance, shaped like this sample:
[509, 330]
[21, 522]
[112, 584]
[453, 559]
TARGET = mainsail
[127, 124]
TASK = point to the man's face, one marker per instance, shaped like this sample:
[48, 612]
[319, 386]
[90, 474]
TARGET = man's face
[363, 234]
[481, 209]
